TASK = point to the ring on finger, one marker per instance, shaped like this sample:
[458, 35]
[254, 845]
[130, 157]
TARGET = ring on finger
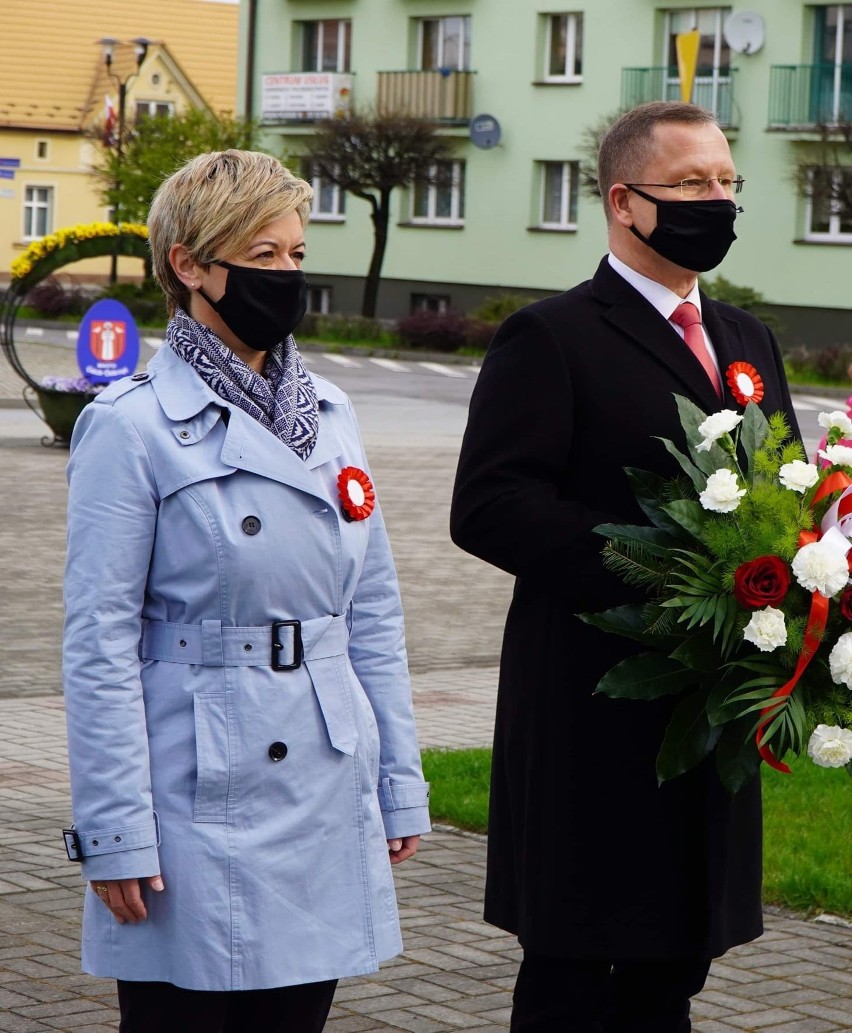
[102, 888]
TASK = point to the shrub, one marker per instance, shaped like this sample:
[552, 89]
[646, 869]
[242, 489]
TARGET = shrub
[746, 298]
[342, 328]
[145, 301]
[830, 363]
[499, 307]
[51, 299]
[434, 331]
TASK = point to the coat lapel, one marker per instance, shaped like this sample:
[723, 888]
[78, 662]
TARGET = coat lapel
[638, 320]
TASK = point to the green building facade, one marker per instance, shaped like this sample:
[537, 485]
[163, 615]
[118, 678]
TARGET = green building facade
[514, 215]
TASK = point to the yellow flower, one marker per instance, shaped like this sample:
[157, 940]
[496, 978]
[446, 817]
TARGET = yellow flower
[67, 237]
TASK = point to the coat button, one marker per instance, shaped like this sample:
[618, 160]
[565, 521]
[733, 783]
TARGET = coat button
[251, 525]
[139, 376]
[278, 751]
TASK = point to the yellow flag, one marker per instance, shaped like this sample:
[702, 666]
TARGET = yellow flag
[687, 45]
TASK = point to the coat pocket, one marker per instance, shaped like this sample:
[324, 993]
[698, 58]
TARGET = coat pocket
[213, 756]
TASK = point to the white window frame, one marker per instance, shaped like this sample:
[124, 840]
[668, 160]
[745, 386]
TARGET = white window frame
[574, 20]
[844, 14]
[33, 205]
[570, 184]
[421, 302]
[834, 234]
[337, 213]
[456, 186]
[324, 300]
[152, 106]
[344, 44]
[716, 82]
[464, 56]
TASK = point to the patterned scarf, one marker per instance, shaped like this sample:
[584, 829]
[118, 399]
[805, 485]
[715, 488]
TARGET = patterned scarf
[283, 399]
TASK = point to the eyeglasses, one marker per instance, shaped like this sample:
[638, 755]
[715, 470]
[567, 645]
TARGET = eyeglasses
[693, 188]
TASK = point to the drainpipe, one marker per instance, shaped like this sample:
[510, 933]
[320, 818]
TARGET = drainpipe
[250, 38]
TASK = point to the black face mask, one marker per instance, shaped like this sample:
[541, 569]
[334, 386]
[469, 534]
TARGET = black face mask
[261, 306]
[695, 235]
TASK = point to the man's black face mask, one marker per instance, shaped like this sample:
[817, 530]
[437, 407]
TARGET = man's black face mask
[694, 235]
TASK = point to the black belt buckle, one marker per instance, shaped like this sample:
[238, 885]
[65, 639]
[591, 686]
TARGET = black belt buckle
[277, 645]
[73, 846]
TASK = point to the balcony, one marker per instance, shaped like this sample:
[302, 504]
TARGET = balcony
[712, 89]
[442, 96]
[808, 96]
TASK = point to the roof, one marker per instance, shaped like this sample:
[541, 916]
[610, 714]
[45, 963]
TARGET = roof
[51, 64]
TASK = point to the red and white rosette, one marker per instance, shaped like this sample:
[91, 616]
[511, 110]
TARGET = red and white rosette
[745, 383]
[357, 497]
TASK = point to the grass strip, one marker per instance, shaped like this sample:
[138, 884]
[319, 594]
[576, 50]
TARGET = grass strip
[807, 818]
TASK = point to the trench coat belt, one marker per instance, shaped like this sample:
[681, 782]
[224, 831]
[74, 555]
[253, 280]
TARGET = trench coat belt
[325, 643]
[213, 644]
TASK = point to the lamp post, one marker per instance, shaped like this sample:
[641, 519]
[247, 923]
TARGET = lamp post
[108, 45]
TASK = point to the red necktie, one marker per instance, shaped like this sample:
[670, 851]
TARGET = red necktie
[686, 315]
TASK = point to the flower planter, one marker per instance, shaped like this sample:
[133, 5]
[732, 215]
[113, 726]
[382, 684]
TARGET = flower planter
[59, 410]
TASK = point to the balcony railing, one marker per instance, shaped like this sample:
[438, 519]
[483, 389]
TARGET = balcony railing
[443, 96]
[712, 89]
[805, 96]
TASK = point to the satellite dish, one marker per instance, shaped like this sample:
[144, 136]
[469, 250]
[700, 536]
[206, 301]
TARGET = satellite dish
[744, 32]
[484, 131]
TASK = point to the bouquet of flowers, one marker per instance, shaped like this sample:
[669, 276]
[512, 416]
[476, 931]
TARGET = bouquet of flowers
[748, 615]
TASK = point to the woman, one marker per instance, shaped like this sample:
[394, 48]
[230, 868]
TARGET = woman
[244, 763]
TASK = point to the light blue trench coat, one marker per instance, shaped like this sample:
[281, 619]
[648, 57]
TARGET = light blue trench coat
[191, 529]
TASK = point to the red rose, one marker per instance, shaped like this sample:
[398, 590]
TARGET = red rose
[761, 582]
[846, 604]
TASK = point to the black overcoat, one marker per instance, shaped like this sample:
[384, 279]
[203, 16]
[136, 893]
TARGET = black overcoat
[587, 856]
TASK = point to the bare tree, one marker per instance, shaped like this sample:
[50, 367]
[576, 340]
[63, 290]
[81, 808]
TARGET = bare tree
[369, 155]
[822, 171]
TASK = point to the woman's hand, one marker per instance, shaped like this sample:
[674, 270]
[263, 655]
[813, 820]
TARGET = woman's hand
[124, 897]
[402, 849]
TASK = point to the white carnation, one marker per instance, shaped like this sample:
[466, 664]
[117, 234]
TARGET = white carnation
[821, 567]
[840, 660]
[798, 476]
[830, 746]
[715, 426]
[840, 420]
[766, 629]
[838, 455]
[723, 493]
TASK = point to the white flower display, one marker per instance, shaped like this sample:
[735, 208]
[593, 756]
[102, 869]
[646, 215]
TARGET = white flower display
[830, 746]
[723, 493]
[839, 455]
[840, 661]
[766, 629]
[840, 420]
[798, 476]
[821, 566]
[715, 426]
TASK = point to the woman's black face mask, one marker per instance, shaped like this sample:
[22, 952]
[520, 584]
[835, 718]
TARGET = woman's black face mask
[694, 235]
[261, 306]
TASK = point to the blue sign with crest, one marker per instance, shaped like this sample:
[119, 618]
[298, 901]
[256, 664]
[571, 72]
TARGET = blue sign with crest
[107, 342]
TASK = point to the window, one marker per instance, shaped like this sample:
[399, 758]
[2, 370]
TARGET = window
[439, 199]
[829, 208]
[444, 43]
[153, 109]
[42, 150]
[38, 212]
[831, 89]
[319, 300]
[329, 201]
[326, 45]
[564, 48]
[712, 86]
[559, 189]
[430, 303]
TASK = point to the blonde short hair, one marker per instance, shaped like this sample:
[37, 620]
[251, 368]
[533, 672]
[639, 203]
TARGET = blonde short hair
[214, 205]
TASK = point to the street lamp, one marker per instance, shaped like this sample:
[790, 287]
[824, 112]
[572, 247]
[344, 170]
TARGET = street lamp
[108, 45]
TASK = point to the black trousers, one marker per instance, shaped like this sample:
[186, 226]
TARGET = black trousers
[165, 1008]
[560, 995]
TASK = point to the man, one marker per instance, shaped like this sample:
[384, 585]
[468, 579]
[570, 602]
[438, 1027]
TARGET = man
[620, 891]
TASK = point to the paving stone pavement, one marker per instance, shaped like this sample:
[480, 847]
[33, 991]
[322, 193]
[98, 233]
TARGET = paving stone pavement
[456, 973]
